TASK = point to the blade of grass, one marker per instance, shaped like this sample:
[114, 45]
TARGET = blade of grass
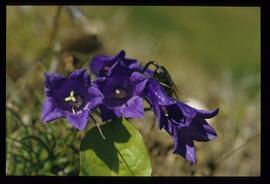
[237, 149]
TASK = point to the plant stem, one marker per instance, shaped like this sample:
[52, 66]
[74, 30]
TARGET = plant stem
[97, 125]
[238, 148]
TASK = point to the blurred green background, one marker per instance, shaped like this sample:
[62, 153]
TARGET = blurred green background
[212, 53]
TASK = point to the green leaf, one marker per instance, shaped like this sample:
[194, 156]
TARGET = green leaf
[122, 153]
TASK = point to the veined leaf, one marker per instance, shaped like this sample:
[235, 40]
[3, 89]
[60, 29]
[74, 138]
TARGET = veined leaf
[122, 153]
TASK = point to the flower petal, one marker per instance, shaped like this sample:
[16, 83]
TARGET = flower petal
[167, 125]
[139, 82]
[118, 68]
[119, 55]
[183, 145]
[95, 98]
[50, 110]
[188, 111]
[200, 130]
[78, 120]
[98, 63]
[148, 72]
[52, 81]
[81, 75]
[190, 153]
[207, 114]
[155, 92]
[133, 108]
[132, 64]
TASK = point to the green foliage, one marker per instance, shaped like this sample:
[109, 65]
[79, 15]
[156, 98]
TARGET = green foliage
[122, 153]
[41, 150]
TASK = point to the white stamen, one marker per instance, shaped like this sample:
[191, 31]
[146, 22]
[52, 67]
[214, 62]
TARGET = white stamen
[71, 97]
[73, 111]
[67, 99]
[167, 115]
[117, 91]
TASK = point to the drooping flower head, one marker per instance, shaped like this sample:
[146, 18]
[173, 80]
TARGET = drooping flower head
[102, 64]
[195, 130]
[71, 97]
[122, 90]
[182, 122]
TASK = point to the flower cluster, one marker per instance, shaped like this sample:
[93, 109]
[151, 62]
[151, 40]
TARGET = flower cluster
[119, 91]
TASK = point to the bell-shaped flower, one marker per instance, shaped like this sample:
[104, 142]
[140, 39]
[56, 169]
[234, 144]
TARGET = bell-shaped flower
[102, 64]
[184, 123]
[122, 90]
[72, 97]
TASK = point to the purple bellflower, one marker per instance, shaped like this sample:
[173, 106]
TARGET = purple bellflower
[71, 97]
[101, 64]
[122, 90]
[184, 123]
